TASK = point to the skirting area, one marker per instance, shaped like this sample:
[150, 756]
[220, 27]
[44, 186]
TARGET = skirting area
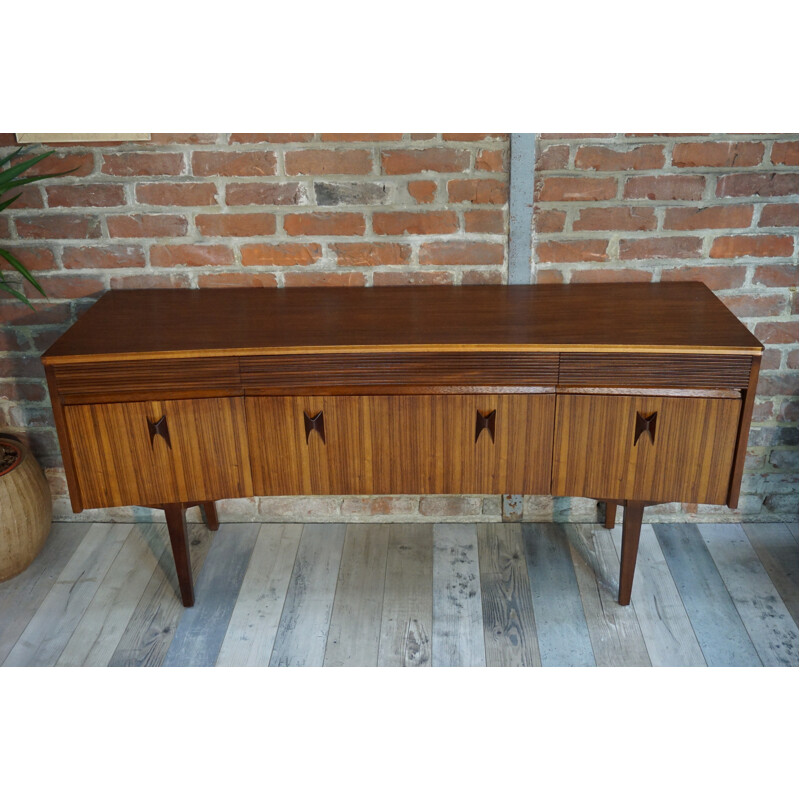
[395, 595]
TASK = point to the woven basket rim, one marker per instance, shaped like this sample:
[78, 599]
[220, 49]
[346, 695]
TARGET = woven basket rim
[17, 448]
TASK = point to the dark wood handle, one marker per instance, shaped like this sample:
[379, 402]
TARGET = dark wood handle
[159, 428]
[485, 422]
[315, 423]
[645, 423]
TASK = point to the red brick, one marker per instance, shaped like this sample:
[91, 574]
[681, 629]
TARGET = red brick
[147, 280]
[571, 189]
[693, 219]
[784, 153]
[361, 137]
[396, 223]
[33, 258]
[12, 341]
[263, 194]
[20, 367]
[183, 138]
[324, 224]
[439, 159]
[611, 276]
[67, 286]
[605, 159]
[777, 275]
[251, 162]
[29, 197]
[127, 164]
[415, 137]
[549, 220]
[572, 250]
[472, 137]
[556, 156]
[481, 277]
[16, 390]
[146, 226]
[577, 135]
[177, 194]
[98, 195]
[480, 192]
[770, 384]
[792, 360]
[715, 277]
[280, 255]
[5, 228]
[58, 226]
[190, 255]
[776, 332]
[43, 313]
[324, 279]
[237, 279]
[548, 276]
[757, 184]
[755, 305]
[457, 253]
[660, 247]
[491, 161]
[779, 215]
[761, 246]
[665, 187]
[422, 191]
[328, 162]
[484, 221]
[273, 138]
[82, 163]
[717, 154]
[412, 278]
[621, 218]
[368, 254]
[235, 224]
[8, 140]
[108, 257]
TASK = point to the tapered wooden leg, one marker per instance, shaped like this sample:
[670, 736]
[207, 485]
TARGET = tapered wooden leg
[210, 513]
[611, 514]
[631, 528]
[179, 539]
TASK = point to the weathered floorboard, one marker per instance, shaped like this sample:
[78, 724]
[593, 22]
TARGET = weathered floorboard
[508, 621]
[777, 550]
[99, 632]
[202, 627]
[254, 622]
[560, 624]
[152, 625]
[715, 620]
[50, 628]
[22, 595]
[355, 630]
[457, 615]
[614, 630]
[667, 631]
[303, 629]
[771, 628]
[407, 617]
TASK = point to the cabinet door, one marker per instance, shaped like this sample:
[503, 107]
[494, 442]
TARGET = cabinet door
[405, 444]
[160, 452]
[661, 449]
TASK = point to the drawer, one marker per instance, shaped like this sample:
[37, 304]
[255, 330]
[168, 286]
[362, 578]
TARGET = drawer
[159, 452]
[400, 373]
[401, 444]
[650, 448]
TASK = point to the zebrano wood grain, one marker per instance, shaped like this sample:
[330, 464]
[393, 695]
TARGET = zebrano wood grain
[401, 445]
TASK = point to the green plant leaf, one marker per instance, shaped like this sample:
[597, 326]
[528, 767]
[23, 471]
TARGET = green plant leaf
[22, 181]
[11, 157]
[18, 169]
[19, 267]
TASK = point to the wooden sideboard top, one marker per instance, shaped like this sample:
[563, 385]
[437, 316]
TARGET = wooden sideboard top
[655, 317]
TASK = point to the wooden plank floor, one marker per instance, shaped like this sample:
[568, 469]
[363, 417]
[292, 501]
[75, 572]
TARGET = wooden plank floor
[406, 595]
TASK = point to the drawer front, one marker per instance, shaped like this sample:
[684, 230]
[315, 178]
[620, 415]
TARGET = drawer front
[662, 449]
[401, 444]
[159, 452]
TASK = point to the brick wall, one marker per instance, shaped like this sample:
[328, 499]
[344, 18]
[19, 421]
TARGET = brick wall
[209, 210]
[718, 208]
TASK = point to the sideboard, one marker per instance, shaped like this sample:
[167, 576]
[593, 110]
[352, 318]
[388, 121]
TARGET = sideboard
[633, 394]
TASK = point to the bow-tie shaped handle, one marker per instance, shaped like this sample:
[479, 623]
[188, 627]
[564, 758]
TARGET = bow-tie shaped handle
[315, 423]
[485, 422]
[159, 428]
[645, 424]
